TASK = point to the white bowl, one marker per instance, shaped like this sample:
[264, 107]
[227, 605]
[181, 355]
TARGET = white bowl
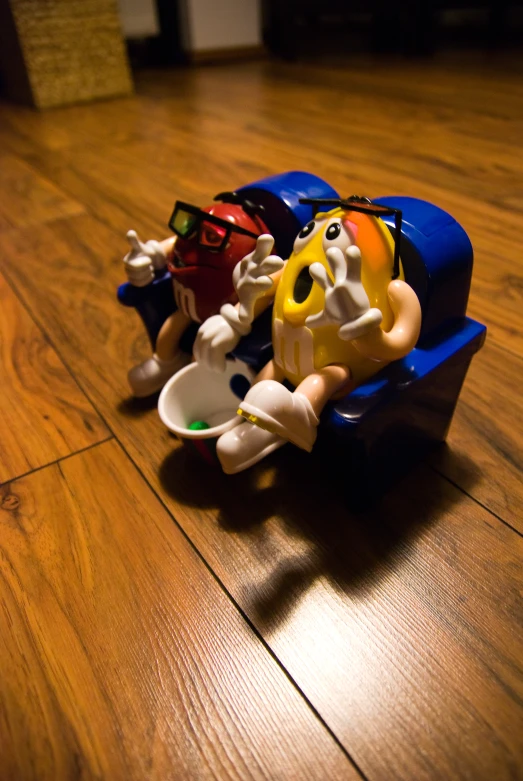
[197, 394]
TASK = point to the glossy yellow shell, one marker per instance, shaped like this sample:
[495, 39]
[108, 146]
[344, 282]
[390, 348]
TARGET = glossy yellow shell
[301, 350]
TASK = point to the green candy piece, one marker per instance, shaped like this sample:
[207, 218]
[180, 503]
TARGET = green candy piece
[198, 425]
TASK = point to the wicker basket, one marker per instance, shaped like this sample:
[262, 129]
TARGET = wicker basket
[63, 51]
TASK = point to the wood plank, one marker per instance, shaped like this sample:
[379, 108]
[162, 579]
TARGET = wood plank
[484, 451]
[434, 154]
[126, 658]
[399, 627]
[118, 199]
[44, 413]
[28, 198]
[116, 121]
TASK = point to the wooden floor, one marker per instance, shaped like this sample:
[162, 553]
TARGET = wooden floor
[164, 622]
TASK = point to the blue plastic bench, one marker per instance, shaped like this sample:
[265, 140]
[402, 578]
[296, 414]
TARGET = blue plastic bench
[389, 422]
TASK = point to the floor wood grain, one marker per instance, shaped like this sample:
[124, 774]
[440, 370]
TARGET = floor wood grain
[45, 415]
[125, 658]
[401, 628]
[484, 446]
[30, 199]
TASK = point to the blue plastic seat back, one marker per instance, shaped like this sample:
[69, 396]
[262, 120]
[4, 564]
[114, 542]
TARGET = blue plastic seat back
[280, 196]
[437, 260]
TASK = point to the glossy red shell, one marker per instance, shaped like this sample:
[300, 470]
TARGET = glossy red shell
[205, 271]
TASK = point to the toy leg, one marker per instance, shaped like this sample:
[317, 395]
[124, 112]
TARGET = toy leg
[294, 416]
[170, 334]
[271, 371]
[245, 445]
[326, 384]
[279, 415]
[151, 375]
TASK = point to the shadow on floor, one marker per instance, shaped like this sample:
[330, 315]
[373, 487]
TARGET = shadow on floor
[136, 408]
[292, 500]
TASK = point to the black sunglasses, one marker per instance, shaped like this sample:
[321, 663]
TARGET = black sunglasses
[213, 232]
[254, 210]
[356, 203]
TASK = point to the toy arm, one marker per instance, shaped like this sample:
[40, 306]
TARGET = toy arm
[255, 278]
[402, 337]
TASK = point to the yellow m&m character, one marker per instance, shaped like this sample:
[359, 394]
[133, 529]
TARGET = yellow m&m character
[338, 318]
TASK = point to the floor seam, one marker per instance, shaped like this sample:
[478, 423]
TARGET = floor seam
[246, 618]
[56, 461]
[475, 500]
[220, 583]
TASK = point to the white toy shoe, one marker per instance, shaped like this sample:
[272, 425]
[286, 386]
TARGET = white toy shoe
[271, 406]
[151, 375]
[244, 446]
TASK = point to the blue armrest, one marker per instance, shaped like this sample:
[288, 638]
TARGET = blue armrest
[129, 295]
[390, 422]
[154, 303]
[458, 341]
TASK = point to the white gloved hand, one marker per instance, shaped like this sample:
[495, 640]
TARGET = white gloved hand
[216, 337]
[142, 260]
[346, 302]
[220, 334]
[251, 276]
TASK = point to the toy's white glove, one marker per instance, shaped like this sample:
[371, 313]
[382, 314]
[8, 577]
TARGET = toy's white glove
[251, 276]
[142, 260]
[346, 302]
[220, 334]
[217, 336]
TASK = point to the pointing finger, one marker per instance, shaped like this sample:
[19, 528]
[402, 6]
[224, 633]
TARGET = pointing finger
[263, 283]
[361, 325]
[337, 263]
[353, 255]
[134, 241]
[264, 245]
[315, 321]
[319, 274]
[271, 264]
